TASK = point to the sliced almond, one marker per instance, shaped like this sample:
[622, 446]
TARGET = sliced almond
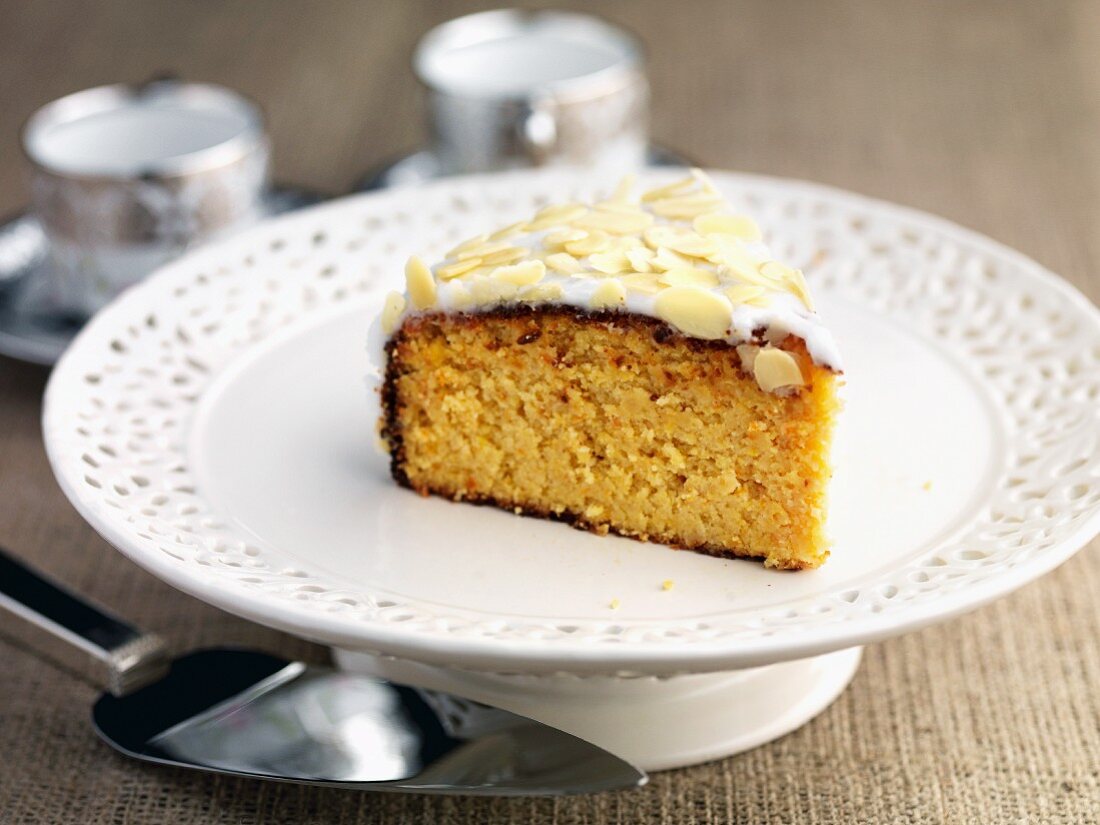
[801, 289]
[615, 223]
[790, 279]
[663, 234]
[504, 256]
[485, 291]
[775, 368]
[704, 180]
[483, 250]
[642, 282]
[541, 293]
[746, 294]
[740, 226]
[695, 311]
[666, 259]
[508, 231]
[391, 312]
[522, 274]
[687, 207]
[594, 241]
[693, 245]
[639, 258]
[609, 263]
[747, 354]
[458, 297]
[608, 293]
[776, 271]
[556, 214]
[624, 189]
[741, 264]
[668, 189]
[619, 207]
[564, 262]
[455, 270]
[560, 237]
[469, 243]
[689, 276]
[420, 283]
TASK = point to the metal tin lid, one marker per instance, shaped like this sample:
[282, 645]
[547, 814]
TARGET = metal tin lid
[510, 54]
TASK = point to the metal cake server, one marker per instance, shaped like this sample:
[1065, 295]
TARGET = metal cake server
[248, 713]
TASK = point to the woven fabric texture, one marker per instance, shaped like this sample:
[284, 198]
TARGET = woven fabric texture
[985, 112]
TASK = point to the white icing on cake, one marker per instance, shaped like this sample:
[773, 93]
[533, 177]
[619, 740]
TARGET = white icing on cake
[678, 254]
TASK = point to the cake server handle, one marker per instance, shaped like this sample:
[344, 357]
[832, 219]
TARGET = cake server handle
[76, 634]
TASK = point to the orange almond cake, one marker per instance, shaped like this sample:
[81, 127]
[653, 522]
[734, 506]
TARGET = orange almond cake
[639, 366]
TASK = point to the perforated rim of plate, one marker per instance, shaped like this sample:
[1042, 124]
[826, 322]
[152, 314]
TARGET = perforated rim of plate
[119, 403]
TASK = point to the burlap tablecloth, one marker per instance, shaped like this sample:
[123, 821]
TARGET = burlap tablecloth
[987, 113]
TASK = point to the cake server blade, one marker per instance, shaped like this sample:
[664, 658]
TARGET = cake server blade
[247, 713]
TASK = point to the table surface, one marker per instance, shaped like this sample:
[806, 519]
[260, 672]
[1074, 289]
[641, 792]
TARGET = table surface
[986, 113]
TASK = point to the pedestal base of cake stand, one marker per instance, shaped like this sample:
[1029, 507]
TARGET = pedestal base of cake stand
[654, 723]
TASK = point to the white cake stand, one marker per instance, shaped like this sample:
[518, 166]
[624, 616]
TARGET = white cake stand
[213, 425]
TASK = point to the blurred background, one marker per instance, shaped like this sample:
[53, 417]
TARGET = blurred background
[987, 113]
[943, 105]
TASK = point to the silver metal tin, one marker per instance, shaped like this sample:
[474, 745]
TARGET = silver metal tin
[109, 225]
[590, 107]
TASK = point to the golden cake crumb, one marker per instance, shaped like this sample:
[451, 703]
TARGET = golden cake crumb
[612, 422]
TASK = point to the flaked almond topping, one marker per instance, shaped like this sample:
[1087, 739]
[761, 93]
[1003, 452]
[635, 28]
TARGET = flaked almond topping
[508, 231]
[693, 245]
[609, 293]
[688, 276]
[596, 241]
[740, 263]
[564, 262]
[609, 263]
[459, 297]
[522, 274]
[560, 237]
[666, 259]
[619, 207]
[695, 311]
[482, 250]
[615, 223]
[449, 271]
[687, 207]
[469, 243]
[752, 294]
[419, 283]
[747, 354]
[668, 189]
[639, 258]
[541, 292]
[662, 234]
[704, 181]
[625, 188]
[740, 226]
[556, 214]
[504, 256]
[790, 279]
[775, 368]
[391, 312]
[491, 290]
[801, 289]
[642, 282]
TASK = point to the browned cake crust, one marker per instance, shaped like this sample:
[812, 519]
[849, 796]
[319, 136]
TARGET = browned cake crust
[524, 324]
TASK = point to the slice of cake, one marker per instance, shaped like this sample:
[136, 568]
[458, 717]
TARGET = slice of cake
[640, 366]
